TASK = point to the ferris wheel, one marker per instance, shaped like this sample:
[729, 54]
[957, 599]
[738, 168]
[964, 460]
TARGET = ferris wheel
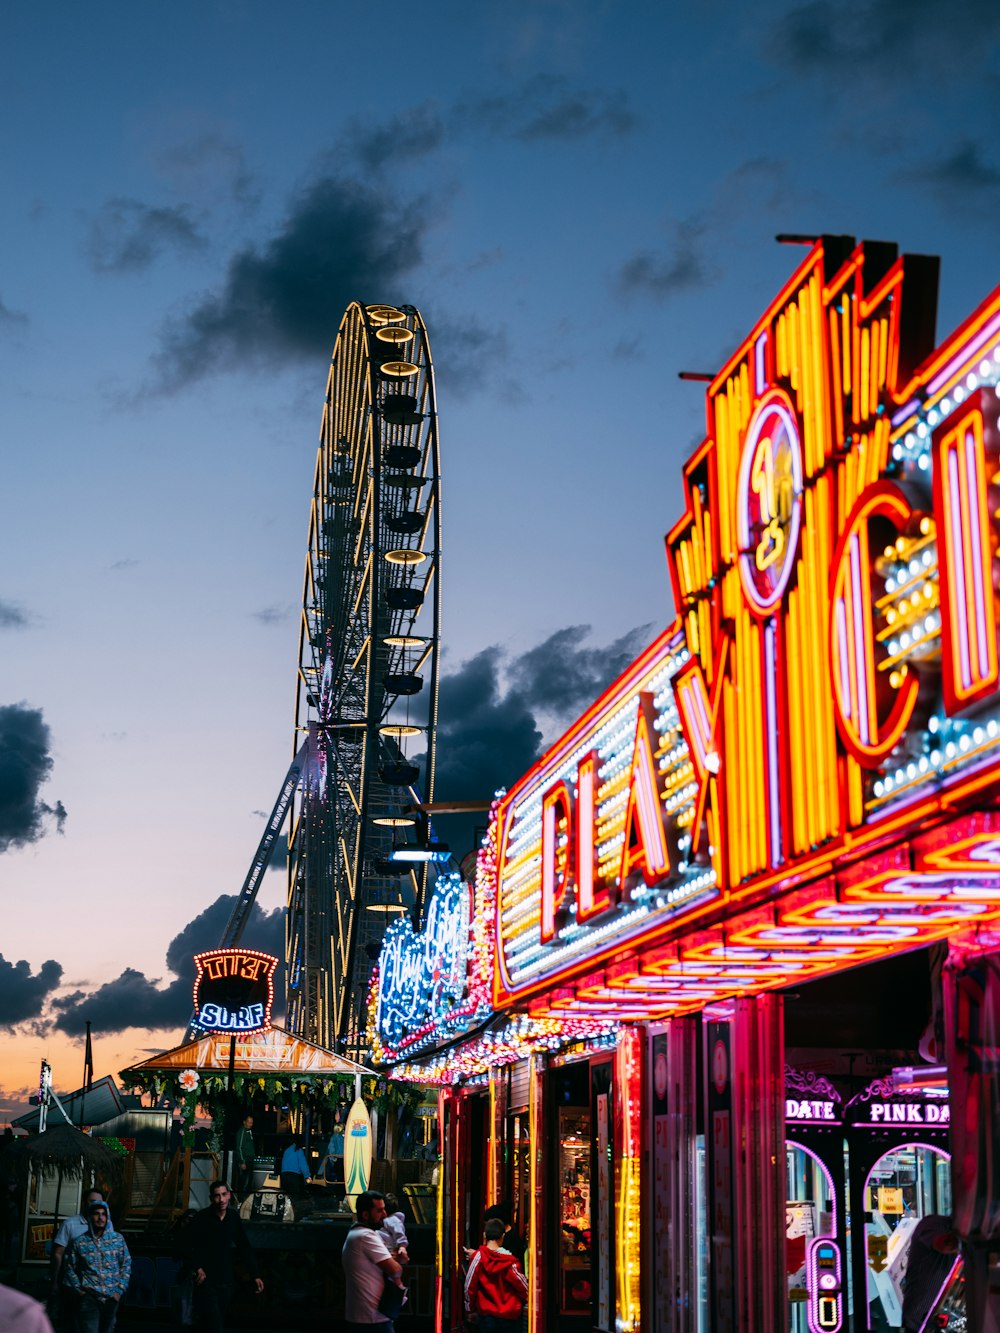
[367, 680]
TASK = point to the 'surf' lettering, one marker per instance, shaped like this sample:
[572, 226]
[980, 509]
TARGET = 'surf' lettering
[217, 1018]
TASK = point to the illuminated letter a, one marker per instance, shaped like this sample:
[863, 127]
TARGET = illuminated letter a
[646, 849]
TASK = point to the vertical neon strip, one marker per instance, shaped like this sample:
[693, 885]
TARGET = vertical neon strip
[859, 640]
[771, 740]
[960, 620]
[628, 1192]
[964, 460]
[975, 485]
[843, 659]
[557, 800]
[493, 1148]
[535, 1247]
[760, 363]
[586, 776]
[439, 1229]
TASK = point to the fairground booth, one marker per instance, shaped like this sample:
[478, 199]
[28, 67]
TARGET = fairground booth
[718, 1019]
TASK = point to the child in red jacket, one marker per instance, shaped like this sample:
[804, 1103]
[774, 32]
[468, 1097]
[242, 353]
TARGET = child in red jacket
[495, 1287]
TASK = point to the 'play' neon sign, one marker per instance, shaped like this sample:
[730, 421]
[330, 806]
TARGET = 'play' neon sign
[830, 684]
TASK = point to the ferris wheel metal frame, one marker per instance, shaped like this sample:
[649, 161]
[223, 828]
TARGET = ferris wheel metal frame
[367, 678]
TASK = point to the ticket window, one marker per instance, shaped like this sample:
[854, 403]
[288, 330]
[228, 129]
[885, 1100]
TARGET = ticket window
[906, 1184]
[575, 1292]
[810, 1214]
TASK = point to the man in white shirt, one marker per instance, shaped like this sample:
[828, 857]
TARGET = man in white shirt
[368, 1266]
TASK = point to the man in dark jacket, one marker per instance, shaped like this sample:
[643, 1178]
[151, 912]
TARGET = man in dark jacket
[209, 1242]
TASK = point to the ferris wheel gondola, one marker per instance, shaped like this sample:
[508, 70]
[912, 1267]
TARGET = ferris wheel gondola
[367, 679]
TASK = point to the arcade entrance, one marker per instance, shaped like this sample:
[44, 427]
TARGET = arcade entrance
[868, 1171]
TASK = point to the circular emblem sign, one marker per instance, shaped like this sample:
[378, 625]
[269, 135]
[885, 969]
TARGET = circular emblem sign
[660, 1075]
[769, 502]
[720, 1067]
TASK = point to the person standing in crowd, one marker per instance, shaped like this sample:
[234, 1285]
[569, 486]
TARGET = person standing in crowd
[98, 1267]
[368, 1266]
[294, 1170]
[245, 1156]
[394, 1230]
[71, 1229]
[20, 1314]
[333, 1163]
[208, 1242]
[495, 1286]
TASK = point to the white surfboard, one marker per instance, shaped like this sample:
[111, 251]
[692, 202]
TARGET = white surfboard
[357, 1151]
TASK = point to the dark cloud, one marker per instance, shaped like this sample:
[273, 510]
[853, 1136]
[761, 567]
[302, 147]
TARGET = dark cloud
[411, 134]
[962, 179]
[134, 1000]
[273, 615]
[25, 764]
[487, 735]
[496, 711]
[128, 236]
[13, 616]
[541, 108]
[883, 35]
[23, 994]
[680, 267]
[128, 563]
[547, 108]
[11, 319]
[562, 675]
[342, 240]
[15, 1101]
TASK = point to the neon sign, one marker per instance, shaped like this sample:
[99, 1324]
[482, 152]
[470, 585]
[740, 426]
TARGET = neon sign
[829, 692]
[810, 1111]
[423, 986]
[600, 843]
[908, 1113]
[769, 500]
[233, 990]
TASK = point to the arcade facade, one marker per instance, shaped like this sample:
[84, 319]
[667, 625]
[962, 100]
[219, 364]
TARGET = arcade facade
[719, 1016]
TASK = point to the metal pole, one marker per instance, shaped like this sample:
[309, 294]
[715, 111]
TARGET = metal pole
[229, 1127]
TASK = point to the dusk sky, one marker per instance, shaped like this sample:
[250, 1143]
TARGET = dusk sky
[580, 197]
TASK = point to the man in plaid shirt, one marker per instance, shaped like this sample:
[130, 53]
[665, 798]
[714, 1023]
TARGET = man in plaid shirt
[98, 1266]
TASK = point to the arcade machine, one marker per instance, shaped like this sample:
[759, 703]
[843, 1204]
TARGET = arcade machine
[815, 1224]
[899, 1174]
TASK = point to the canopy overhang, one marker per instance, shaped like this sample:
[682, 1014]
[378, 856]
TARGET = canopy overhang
[273, 1051]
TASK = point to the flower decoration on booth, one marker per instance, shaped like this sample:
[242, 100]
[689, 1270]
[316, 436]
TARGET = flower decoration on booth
[208, 1090]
